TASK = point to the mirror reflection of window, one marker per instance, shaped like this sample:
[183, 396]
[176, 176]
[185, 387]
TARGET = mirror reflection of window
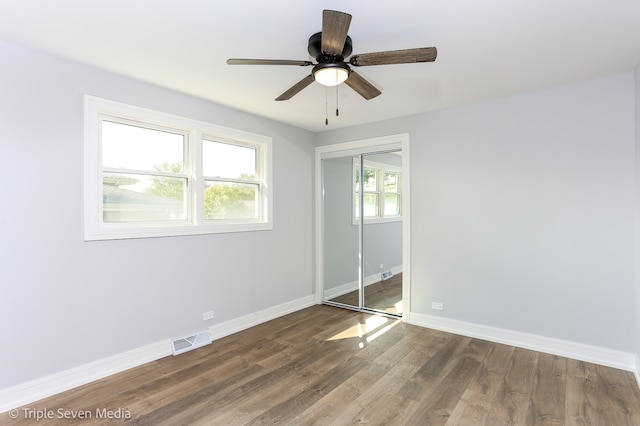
[381, 189]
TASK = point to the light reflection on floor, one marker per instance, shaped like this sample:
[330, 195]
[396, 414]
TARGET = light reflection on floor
[372, 328]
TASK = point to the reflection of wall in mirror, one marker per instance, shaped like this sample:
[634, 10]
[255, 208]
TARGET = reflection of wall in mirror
[382, 241]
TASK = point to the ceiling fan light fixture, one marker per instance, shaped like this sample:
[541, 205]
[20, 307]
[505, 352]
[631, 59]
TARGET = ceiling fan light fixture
[331, 74]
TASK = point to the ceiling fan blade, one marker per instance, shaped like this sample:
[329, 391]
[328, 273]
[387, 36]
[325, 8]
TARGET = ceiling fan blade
[362, 86]
[296, 88]
[335, 26]
[406, 56]
[234, 61]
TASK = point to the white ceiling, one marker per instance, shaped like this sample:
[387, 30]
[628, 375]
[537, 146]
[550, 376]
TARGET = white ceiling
[486, 49]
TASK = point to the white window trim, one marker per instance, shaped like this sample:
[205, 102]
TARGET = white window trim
[95, 229]
[380, 167]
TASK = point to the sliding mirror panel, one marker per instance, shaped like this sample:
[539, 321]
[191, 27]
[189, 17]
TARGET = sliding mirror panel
[341, 234]
[382, 230]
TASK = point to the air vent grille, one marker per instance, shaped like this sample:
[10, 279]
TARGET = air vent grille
[188, 343]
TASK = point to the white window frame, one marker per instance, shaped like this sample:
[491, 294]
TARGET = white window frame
[381, 169]
[95, 109]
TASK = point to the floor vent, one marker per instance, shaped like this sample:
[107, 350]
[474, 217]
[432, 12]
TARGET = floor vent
[386, 275]
[191, 342]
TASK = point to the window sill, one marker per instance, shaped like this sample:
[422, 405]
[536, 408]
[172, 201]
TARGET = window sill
[120, 232]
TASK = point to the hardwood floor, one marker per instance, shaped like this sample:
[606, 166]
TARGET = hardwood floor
[383, 296]
[330, 366]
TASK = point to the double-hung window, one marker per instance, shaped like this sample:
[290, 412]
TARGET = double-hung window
[231, 189]
[381, 189]
[143, 175]
[150, 174]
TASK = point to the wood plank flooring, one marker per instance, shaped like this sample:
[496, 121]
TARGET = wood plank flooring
[331, 366]
[383, 296]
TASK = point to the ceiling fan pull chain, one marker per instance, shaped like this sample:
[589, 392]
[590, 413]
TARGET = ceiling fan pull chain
[337, 111]
[326, 106]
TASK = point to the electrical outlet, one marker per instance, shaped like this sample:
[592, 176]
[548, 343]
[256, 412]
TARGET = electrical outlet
[437, 305]
[207, 315]
[382, 266]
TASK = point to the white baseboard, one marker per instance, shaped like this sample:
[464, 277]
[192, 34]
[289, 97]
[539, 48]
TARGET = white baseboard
[44, 387]
[332, 293]
[235, 325]
[637, 369]
[594, 354]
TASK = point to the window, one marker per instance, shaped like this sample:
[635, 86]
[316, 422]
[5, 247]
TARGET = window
[143, 173]
[231, 189]
[391, 191]
[381, 189]
[149, 174]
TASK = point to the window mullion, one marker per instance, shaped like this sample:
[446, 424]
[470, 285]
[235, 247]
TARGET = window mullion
[197, 182]
[380, 185]
[261, 164]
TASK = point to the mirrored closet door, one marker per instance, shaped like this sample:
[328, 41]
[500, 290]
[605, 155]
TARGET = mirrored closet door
[363, 251]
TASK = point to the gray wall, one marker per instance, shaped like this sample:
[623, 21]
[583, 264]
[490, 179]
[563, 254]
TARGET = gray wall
[382, 246]
[637, 213]
[340, 235]
[382, 241]
[66, 302]
[523, 211]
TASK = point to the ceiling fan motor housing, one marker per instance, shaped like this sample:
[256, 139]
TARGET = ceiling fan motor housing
[315, 50]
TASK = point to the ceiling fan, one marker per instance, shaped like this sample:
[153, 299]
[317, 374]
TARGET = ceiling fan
[330, 48]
